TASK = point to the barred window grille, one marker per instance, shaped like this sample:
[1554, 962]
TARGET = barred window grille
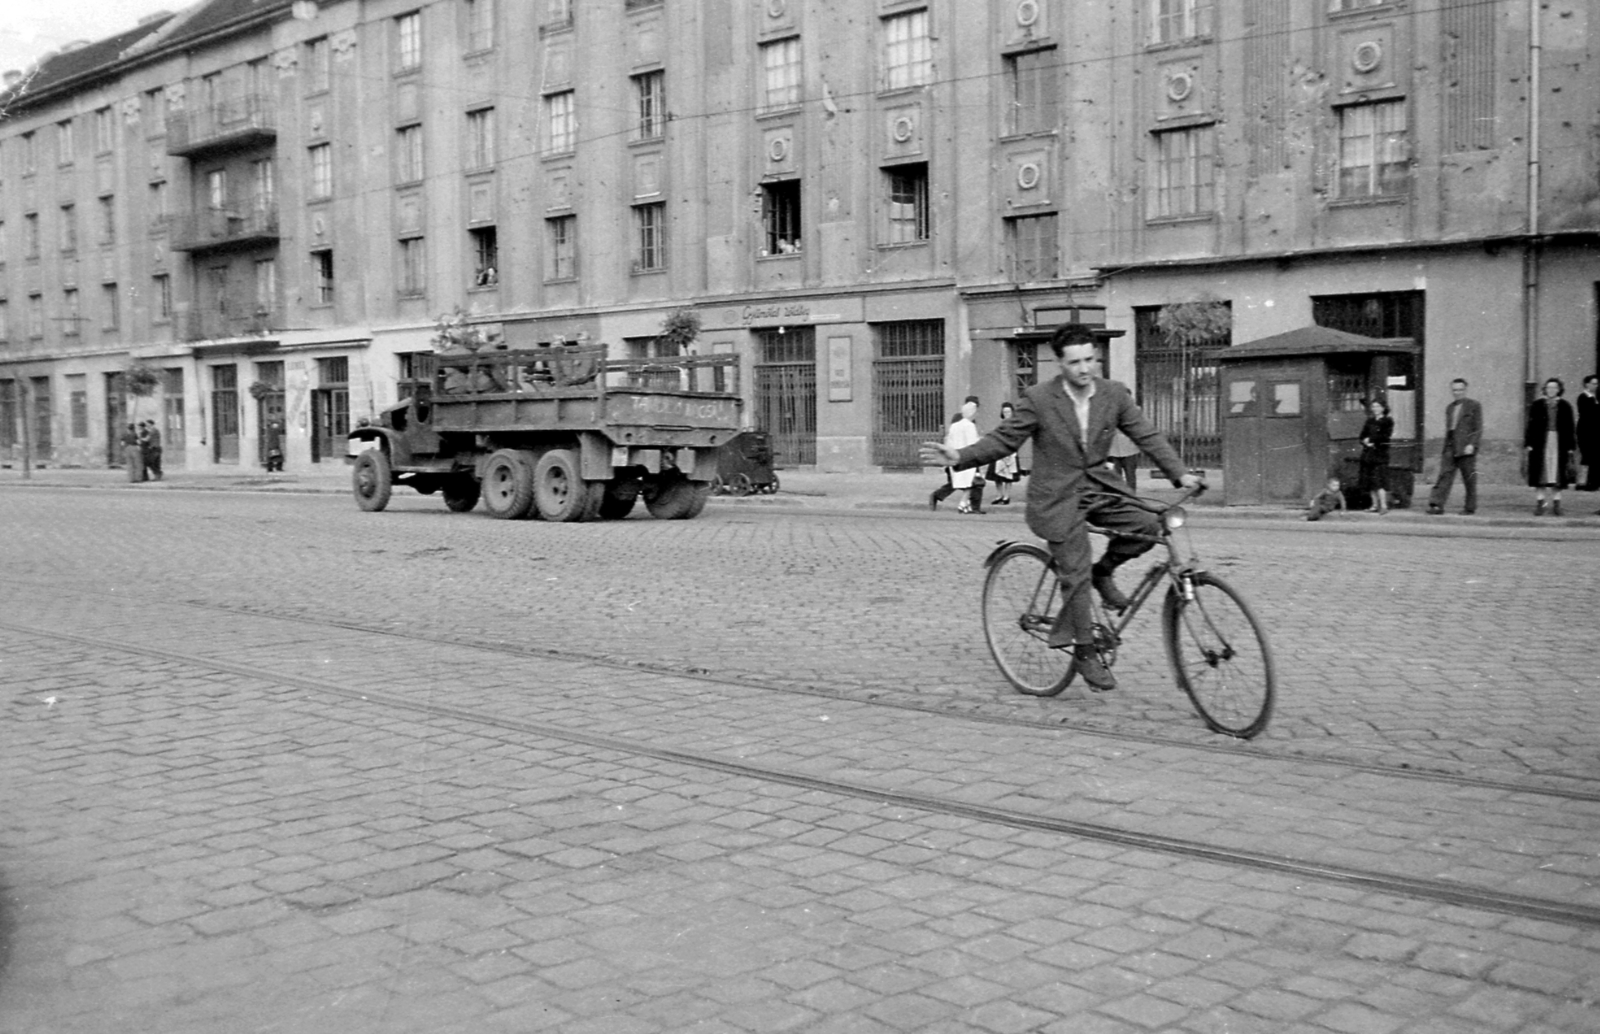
[907, 390]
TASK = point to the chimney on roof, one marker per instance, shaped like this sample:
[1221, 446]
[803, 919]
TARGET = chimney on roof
[77, 44]
[154, 16]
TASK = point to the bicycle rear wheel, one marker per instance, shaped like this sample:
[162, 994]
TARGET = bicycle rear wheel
[1219, 656]
[1021, 596]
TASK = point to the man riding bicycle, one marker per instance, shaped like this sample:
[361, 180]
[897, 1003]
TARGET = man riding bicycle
[1072, 420]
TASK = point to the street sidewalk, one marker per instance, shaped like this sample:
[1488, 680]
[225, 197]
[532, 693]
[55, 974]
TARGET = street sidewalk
[1501, 508]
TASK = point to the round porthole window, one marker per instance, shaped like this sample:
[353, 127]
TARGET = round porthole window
[778, 149]
[903, 128]
[1367, 56]
[1027, 13]
[1179, 86]
[1028, 175]
[776, 8]
[318, 227]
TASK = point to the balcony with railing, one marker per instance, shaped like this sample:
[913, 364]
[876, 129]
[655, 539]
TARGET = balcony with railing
[216, 229]
[230, 125]
[233, 318]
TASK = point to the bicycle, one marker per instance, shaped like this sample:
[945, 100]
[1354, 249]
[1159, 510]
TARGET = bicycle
[1216, 647]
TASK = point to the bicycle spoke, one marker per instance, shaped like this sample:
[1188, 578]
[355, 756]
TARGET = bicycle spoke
[1220, 657]
[1020, 600]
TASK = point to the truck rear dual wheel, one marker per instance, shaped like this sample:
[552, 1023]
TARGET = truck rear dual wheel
[508, 484]
[678, 500]
[559, 490]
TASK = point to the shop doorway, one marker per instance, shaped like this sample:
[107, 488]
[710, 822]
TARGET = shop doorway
[116, 418]
[225, 414]
[786, 393]
[330, 409]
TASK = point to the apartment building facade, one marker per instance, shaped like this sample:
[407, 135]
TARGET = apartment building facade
[881, 205]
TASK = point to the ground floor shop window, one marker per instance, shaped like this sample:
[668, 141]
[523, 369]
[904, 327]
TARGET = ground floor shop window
[1177, 387]
[786, 393]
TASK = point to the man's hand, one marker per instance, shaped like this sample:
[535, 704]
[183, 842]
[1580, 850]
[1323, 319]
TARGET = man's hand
[937, 454]
[1191, 481]
[1470, 450]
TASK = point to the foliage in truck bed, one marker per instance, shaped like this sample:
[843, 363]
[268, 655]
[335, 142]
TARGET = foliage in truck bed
[568, 370]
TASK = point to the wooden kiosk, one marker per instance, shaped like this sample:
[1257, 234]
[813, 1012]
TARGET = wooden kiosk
[1292, 409]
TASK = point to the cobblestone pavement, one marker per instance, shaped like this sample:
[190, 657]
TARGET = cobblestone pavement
[237, 804]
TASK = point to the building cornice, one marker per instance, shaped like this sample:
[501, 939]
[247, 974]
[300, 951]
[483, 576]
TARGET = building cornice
[1486, 243]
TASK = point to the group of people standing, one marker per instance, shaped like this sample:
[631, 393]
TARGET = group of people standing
[1004, 472]
[141, 451]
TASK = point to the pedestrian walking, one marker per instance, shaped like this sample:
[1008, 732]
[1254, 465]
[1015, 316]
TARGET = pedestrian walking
[1005, 471]
[1125, 459]
[1375, 436]
[1589, 433]
[1463, 429]
[1548, 443]
[963, 431]
[273, 444]
[1070, 420]
[150, 449]
[132, 454]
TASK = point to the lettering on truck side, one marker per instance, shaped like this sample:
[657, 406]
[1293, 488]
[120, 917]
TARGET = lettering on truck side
[658, 405]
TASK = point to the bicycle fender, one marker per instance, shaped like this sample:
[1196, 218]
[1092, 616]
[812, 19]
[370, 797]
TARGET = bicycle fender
[1004, 546]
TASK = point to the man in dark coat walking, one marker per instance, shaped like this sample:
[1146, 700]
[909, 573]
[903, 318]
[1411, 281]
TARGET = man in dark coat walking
[1589, 432]
[1463, 429]
[1072, 420]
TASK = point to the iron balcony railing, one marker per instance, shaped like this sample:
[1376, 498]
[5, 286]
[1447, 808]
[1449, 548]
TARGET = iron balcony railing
[231, 319]
[228, 227]
[233, 124]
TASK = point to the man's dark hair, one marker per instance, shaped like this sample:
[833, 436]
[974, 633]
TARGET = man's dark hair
[1460, 380]
[1069, 334]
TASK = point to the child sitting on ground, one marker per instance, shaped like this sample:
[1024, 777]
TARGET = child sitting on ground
[1326, 501]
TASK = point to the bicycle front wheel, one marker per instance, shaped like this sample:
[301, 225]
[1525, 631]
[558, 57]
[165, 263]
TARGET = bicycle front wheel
[1020, 598]
[1219, 656]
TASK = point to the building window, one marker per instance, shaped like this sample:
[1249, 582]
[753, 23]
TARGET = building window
[1374, 150]
[1335, 6]
[1184, 173]
[69, 228]
[907, 51]
[66, 148]
[562, 235]
[561, 121]
[413, 266]
[105, 131]
[408, 42]
[161, 287]
[113, 306]
[558, 14]
[780, 217]
[319, 65]
[1032, 247]
[907, 390]
[1031, 92]
[408, 154]
[35, 316]
[264, 184]
[1179, 20]
[650, 237]
[780, 64]
[108, 220]
[485, 256]
[320, 161]
[155, 111]
[480, 25]
[480, 138]
[5, 320]
[72, 312]
[907, 186]
[78, 404]
[266, 286]
[159, 212]
[30, 235]
[649, 92]
[30, 154]
[322, 275]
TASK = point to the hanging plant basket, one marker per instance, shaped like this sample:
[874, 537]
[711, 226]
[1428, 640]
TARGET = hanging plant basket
[261, 389]
[141, 379]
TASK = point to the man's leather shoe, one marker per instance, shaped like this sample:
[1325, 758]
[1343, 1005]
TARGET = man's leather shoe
[1436, 510]
[1086, 661]
[1110, 595]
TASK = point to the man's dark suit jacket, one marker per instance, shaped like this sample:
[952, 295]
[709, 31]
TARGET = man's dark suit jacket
[1062, 460]
[1469, 426]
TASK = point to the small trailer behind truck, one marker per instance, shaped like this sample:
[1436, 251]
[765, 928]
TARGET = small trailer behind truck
[564, 433]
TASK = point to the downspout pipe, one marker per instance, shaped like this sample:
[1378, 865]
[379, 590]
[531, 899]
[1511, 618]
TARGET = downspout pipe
[1530, 254]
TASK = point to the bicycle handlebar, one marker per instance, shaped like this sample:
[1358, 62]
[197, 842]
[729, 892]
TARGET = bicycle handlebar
[1152, 505]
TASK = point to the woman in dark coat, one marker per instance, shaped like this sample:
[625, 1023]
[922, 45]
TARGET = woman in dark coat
[1375, 435]
[1548, 443]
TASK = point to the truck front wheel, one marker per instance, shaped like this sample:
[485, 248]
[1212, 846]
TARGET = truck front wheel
[507, 485]
[370, 478]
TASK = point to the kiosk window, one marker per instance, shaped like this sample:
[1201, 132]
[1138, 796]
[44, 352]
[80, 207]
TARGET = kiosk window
[1286, 398]
[1242, 398]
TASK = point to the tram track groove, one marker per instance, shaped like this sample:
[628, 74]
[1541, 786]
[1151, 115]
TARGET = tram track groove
[1364, 879]
[1258, 749]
